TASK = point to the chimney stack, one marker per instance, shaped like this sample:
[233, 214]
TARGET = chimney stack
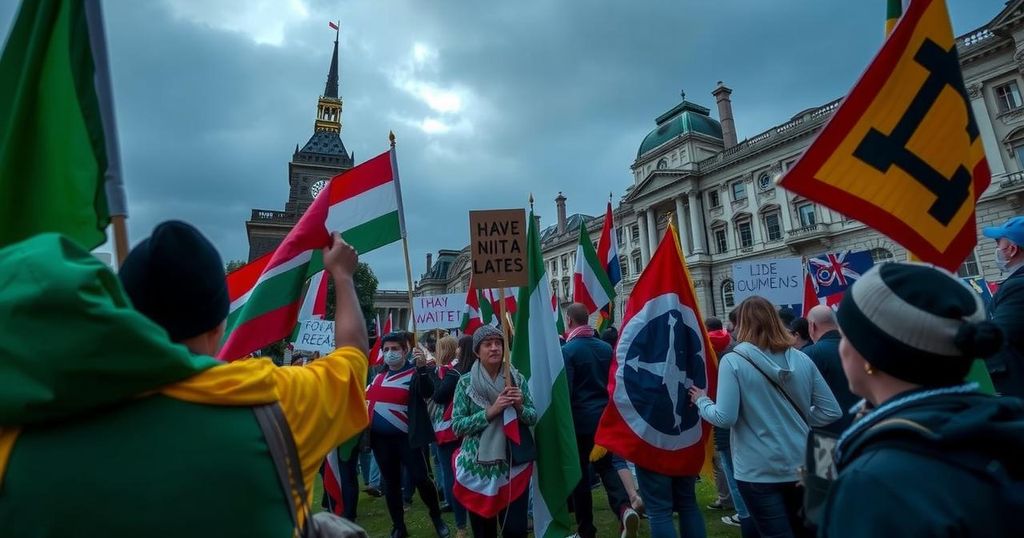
[560, 204]
[722, 94]
[430, 261]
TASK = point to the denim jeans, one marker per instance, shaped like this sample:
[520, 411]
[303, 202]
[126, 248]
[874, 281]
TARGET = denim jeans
[371, 473]
[725, 460]
[445, 452]
[775, 508]
[665, 495]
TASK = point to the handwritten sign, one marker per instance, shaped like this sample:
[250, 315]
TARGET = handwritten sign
[439, 311]
[315, 335]
[779, 280]
[497, 241]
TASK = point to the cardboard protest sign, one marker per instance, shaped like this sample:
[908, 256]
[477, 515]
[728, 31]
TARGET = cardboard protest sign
[780, 281]
[315, 335]
[438, 311]
[497, 240]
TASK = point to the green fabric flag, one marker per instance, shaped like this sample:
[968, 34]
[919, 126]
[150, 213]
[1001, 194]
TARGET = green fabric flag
[58, 143]
[71, 340]
[537, 355]
[979, 374]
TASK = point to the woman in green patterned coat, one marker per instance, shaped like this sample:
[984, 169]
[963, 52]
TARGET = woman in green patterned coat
[485, 483]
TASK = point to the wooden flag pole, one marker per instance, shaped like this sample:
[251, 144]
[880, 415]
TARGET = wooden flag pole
[120, 239]
[408, 264]
[505, 333]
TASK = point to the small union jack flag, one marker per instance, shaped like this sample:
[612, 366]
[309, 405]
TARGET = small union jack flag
[833, 273]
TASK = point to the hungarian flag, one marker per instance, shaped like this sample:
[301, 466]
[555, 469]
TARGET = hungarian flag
[590, 284]
[376, 356]
[479, 310]
[314, 305]
[60, 169]
[537, 354]
[663, 350]
[608, 253]
[332, 473]
[557, 312]
[363, 203]
[493, 296]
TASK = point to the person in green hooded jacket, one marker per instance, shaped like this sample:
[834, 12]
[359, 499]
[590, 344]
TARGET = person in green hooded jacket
[932, 456]
[116, 421]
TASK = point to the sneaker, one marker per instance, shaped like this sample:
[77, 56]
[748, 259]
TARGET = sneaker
[732, 521]
[372, 491]
[630, 523]
[719, 505]
[441, 528]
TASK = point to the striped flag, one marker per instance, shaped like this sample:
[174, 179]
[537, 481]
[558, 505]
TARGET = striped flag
[590, 284]
[537, 355]
[314, 305]
[608, 254]
[557, 312]
[376, 356]
[893, 12]
[332, 473]
[364, 204]
[479, 310]
[59, 161]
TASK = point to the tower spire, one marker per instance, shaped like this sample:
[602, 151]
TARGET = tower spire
[331, 89]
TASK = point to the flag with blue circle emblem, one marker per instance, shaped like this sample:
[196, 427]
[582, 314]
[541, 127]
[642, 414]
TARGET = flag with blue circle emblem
[663, 350]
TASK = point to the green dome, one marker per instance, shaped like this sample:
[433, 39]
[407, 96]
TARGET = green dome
[684, 118]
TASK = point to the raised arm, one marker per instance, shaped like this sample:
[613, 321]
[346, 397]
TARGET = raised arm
[341, 261]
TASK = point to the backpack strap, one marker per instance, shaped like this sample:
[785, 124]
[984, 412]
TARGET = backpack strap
[776, 385]
[286, 460]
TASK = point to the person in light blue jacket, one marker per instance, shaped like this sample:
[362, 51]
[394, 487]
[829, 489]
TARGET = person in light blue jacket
[769, 395]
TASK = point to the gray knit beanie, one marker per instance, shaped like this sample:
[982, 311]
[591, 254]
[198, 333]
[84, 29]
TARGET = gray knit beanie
[917, 323]
[483, 333]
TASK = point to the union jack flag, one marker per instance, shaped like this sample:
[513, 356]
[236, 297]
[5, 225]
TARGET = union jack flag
[388, 398]
[832, 273]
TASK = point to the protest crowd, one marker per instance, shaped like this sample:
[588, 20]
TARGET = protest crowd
[897, 411]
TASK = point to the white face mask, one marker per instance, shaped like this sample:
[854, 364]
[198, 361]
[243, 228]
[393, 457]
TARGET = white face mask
[393, 358]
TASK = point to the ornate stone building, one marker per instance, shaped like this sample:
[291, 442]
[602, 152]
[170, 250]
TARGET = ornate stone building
[723, 196]
[322, 157]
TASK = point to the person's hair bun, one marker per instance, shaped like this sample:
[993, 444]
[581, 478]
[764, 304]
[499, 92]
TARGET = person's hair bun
[979, 340]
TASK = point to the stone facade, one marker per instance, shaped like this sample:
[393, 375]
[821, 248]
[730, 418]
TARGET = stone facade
[725, 202]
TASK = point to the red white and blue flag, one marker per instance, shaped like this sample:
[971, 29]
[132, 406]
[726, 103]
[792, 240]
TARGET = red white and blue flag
[608, 253]
[388, 399]
[831, 274]
[663, 350]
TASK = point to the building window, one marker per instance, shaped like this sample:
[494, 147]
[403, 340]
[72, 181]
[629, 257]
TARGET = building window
[773, 226]
[634, 231]
[745, 234]
[713, 199]
[638, 265]
[764, 181]
[618, 236]
[727, 297]
[554, 267]
[969, 268]
[881, 255]
[739, 191]
[565, 289]
[721, 241]
[565, 263]
[806, 212]
[662, 164]
[1007, 97]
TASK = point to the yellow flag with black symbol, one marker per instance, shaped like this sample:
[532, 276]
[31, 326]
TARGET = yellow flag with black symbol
[903, 153]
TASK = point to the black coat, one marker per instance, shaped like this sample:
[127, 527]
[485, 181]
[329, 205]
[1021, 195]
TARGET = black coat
[587, 360]
[1007, 311]
[825, 355]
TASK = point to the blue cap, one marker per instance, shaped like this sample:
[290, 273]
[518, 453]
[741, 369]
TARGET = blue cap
[1012, 230]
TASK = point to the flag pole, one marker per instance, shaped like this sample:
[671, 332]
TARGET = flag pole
[120, 238]
[405, 242]
[505, 333]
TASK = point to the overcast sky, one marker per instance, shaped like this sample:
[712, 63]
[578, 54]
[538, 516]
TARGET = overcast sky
[489, 100]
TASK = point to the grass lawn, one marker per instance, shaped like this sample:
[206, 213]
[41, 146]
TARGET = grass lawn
[373, 515]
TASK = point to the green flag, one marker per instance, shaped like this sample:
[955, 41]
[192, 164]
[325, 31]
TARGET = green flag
[59, 165]
[537, 355]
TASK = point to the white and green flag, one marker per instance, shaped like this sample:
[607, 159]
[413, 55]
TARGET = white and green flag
[536, 353]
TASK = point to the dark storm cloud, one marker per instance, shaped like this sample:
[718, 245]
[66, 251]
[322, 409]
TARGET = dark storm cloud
[552, 96]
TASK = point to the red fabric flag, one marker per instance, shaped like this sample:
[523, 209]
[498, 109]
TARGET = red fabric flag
[662, 351]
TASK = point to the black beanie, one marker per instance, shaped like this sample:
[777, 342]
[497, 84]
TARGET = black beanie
[176, 278]
[917, 323]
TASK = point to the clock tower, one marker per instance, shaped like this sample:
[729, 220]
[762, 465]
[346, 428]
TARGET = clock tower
[322, 157]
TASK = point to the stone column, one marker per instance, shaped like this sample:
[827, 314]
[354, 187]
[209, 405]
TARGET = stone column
[645, 244]
[683, 226]
[696, 223]
[652, 230]
[993, 152]
[755, 227]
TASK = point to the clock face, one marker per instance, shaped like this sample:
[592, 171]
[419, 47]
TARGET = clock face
[315, 188]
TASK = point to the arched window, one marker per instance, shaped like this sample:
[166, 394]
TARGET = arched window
[881, 255]
[727, 297]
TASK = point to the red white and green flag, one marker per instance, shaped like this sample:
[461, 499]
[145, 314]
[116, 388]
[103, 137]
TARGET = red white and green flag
[479, 310]
[364, 204]
[537, 354]
[590, 284]
[376, 356]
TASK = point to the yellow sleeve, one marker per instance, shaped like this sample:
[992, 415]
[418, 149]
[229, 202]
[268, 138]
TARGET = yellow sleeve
[324, 403]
